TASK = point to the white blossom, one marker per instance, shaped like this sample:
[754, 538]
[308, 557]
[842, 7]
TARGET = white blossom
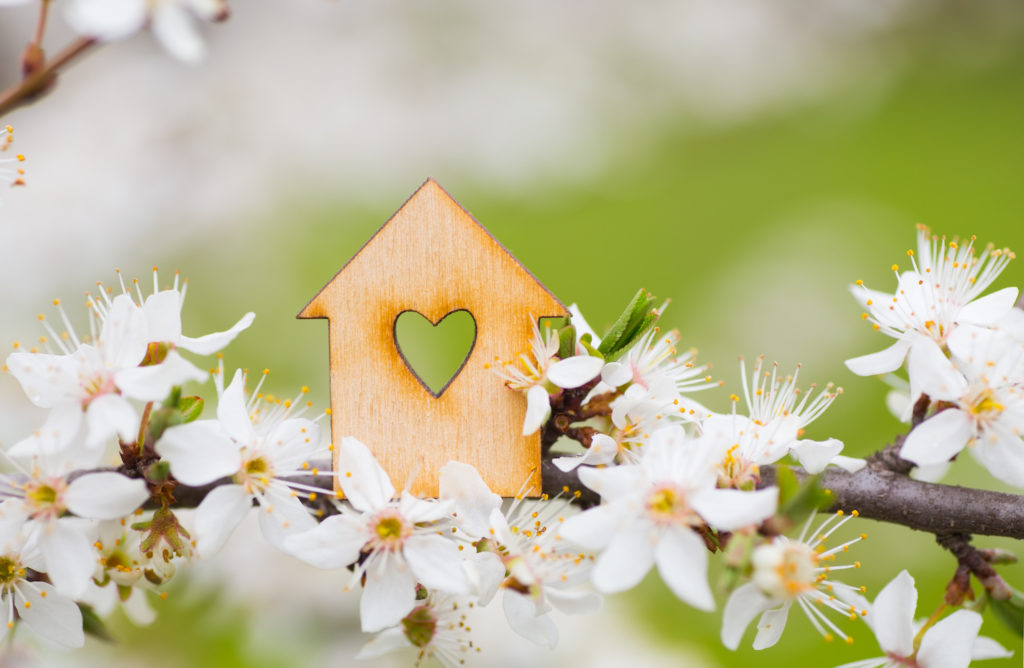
[438, 628]
[652, 513]
[941, 292]
[259, 443]
[952, 642]
[395, 543]
[170, 20]
[792, 571]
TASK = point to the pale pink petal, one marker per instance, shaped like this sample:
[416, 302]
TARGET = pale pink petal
[521, 613]
[949, 643]
[155, 382]
[368, 487]
[473, 499]
[386, 641]
[731, 509]
[538, 408]
[770, 626]
[892, 615]
[594, 528]
[573, 601]
[615, 482]
[624, 563]
[987, 648]
[47, 380]
[282, 515]
[106, 20]
[163, 315]
[105, 496]
[211, 343]
[884, 361]
[232, 412]
[745, 603]
[198, 452]
[683, 564]
[108, 416]
[68, 555]
[173, 26]
[50, 615]
[989, 309]
[938, 438]
[932, 373]
[602, 450]
[389, 593]
[123, 339]
[218, 515]
[814, 456]
[334, 543]
[849, 464]
[436, 563]
[616, 374]
[575, 371]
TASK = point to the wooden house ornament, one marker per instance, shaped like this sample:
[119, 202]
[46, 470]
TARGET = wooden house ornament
[432, 257]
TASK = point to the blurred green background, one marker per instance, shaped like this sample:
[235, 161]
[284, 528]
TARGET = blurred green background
[753, 227]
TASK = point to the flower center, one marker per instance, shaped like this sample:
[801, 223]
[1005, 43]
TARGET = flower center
[10, 570]
[985, 406]
[44, 500]
[784, 571]
[97, 386]
[256, 474]
[667, 504]
[737, 471]
[419, 626]
[388, 531]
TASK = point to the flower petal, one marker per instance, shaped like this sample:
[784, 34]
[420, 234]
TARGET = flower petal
[683, 564]
[389, 593]
[386, 641]
[624, 563]
[988, 309]
[574, 371]
[163, 315]
[211, 343]
[218, 515]
[987, 648]
[770, 626]
[949, 643]
[938, 438]
[51, 615]
[892, 615]
[155, 382]
[573, 601]
[436, 563]
[172, 25]
[198, 452]
[521, 613]
[68, 555]
[884, 361]
[334, 543]
[109, 415]
[731, 509]
[106, 20]
[814, 456]
[616, 374]
[932, 373]
[232, 412]
[473, 499]
[105, 496]
[745, 603]
[368, 487]
[538, 408]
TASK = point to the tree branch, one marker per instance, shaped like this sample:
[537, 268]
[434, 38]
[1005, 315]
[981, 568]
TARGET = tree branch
[40, 81]
[881, 495]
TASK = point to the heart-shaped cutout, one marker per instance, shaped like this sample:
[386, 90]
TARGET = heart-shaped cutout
[435, 352]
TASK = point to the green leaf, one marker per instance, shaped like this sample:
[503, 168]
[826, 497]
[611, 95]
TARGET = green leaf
[638, 317]
[191, 408]
[1010, 612]
[93, 625]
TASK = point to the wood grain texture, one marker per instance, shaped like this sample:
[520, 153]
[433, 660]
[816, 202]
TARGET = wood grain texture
[434, 258]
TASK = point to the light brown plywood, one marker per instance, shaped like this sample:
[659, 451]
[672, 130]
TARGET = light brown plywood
[432, 257]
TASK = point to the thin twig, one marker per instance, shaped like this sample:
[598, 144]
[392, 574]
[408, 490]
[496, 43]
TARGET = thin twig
[39, 82]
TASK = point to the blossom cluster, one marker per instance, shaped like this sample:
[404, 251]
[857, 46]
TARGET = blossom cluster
[963, 354]
[91, 516]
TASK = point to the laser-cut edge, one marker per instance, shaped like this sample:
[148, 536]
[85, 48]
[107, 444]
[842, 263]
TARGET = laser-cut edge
[465, 360]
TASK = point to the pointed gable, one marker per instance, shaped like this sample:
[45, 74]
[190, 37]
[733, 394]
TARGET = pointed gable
[434, 258]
